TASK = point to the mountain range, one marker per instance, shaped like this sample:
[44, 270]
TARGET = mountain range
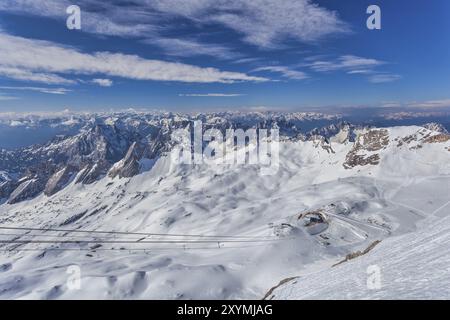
[108, 198]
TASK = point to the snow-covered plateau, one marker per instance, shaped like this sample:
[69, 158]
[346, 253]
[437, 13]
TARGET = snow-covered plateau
[108, 205]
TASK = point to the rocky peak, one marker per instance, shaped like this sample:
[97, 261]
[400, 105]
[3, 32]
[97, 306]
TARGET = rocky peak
[7, 185]
[129, 165]
[364, 151]
[423, 136]
[27, 189]
[59, 180]
[345, 135]
[116, 143]
[92, 172]
[437, 127]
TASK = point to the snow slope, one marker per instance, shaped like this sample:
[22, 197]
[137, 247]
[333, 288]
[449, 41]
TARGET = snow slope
[255, 236]
[412, 266]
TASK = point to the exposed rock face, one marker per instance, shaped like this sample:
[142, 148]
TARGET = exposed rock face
[50, 166]
[320, 141]
[5, 185]
[129, 166]
[27, 189]
[366, 144]
[439, 138]
[6, 188]
[119, 144]
[92, 172]
[341, 132]
[374, 140]
[423, 136]
[102, 140]
[437, 127]
[33, 182]
[59, 180]
[345, 135]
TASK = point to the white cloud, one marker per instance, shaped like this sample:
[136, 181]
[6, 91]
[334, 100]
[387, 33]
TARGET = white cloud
[391, 104]
[18, 73]
[110, 20]
[431, 104]
[103, 82]
[7, 98]
[248, 60]
[189, 48]
[59, 91]
[384, 77]
[261, 22]
[350, 63]
[284, 71]
[211, 94]
[42, 61]
[362, 71]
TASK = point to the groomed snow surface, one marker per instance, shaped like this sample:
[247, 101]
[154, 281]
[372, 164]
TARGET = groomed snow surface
[402, 201]
[412, 266]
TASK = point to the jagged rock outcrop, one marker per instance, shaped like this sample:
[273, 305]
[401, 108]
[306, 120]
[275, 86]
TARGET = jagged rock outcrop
[322, 142]
[437, 127]
[438, 138]
[92, 172]
[33, 182]
[129, 166]
[345, 135]
[363, 151]
[95, 143]
[336, 131]
[94, 150]
[28, 188]
[423, 136]
[7, 185]
[59, 180]
[119, 144]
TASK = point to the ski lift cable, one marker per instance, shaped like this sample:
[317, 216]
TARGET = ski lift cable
[129, 249]
[137, 242]
[133, 233]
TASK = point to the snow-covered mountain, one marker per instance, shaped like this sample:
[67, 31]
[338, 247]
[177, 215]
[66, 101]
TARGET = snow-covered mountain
[110, 200]
[104, 139]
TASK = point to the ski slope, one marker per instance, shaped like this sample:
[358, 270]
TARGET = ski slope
[412, 266]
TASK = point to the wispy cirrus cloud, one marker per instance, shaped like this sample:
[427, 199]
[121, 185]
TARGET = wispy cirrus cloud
[44, 61]
[384, 77]
[103, 82]
[248, 60]
[427, 104]
[444, 103]
[17, 73]
[353, 65]
[286, 72]
[260, 22]
[59, 91]
[360, 71]
[349, 63]
[98, 17]
[7, 98]
[211, 95]
[190, 48]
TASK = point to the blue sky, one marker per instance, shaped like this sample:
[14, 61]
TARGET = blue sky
[227, 54]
